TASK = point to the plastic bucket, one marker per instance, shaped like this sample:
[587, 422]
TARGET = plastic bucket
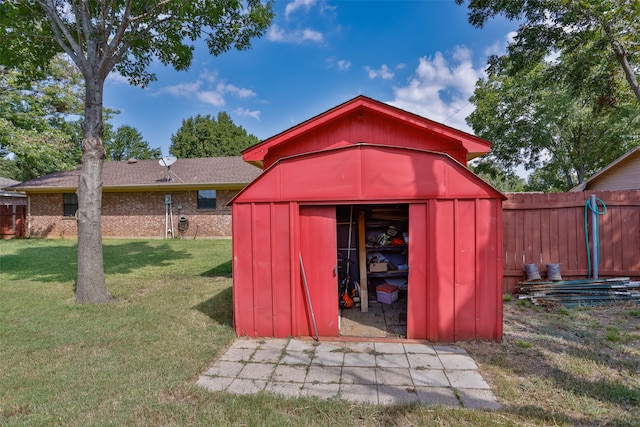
[553, 272]
[531, 272]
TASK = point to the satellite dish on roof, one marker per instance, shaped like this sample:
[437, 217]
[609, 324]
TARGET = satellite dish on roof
[167, 161]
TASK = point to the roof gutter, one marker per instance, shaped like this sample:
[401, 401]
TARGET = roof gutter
[130, 188]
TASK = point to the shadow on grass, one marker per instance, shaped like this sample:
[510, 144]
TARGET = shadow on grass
[219, 307]
[601, 389]
[50, 263]
[124, 258]
[221, 270]
[58, 263]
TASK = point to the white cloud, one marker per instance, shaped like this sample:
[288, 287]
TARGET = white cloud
[384, 72]
[297, 4]
[116, 77]
[313, 35]
[183, 89]
[209, 76]
[494, 49]
[499, 47]
[344, 65]
[340, 64]
[243, 112]
[210, 97]
[208, 88]
[278, 34]
[239, 92]
[440, 89]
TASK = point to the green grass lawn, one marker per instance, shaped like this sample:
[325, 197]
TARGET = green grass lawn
[135, 361]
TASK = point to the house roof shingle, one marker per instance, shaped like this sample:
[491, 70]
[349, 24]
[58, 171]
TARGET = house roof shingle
[6, 182]
[215, 172]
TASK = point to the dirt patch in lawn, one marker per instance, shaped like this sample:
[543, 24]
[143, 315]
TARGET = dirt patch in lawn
[566, 366]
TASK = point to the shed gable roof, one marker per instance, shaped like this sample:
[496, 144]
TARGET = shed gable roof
[353, 174]
[450, 138]
[212, 172]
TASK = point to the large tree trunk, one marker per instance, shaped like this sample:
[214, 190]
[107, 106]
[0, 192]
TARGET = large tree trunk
[91, 287]
[621, 54]
[623, 60]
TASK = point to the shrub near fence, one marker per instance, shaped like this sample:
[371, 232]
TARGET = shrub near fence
[549, 228]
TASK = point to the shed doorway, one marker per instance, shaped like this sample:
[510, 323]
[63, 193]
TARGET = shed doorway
[372, 242]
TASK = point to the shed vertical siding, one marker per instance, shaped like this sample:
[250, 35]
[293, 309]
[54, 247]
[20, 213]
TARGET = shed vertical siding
[263, 290]
[243, 301]
[282, 269]
[465, 288]
[441, 263]
[318, 244]
[455, 267]
[489, 280]
[418, 294]
[268, 288]
[262, 298]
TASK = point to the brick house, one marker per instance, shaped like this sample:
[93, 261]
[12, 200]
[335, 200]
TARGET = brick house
[141, 198]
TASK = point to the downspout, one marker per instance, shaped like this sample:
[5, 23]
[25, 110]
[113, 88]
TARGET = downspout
[28, 218]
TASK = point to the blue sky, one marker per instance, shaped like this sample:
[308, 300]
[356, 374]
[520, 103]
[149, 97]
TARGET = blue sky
[422, 56]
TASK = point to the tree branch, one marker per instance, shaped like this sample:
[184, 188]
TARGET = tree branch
[87, 29]
[621, 56]
[151, 12]
[76, 12]
[125, 21]
[120, 48]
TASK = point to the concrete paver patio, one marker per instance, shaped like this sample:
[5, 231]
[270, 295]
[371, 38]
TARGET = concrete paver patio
[373, 372]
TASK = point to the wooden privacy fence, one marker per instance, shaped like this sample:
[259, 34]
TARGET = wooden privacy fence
[550, 229]
[12, 221]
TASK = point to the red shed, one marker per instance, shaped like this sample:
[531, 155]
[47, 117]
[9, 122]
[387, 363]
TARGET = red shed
[362, 199]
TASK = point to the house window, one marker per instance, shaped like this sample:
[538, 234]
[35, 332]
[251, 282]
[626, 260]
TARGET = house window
[206, 199]
[70, 204]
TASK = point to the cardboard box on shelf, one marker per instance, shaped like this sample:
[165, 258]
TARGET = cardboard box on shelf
[378, 267]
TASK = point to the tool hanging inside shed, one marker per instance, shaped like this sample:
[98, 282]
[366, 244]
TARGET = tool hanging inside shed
[344, 300]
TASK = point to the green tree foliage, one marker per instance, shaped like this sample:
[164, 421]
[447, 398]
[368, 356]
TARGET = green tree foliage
[127, 143]
[8, 169]
[41, 123]
[121, 35]
[540, 118]
[26, 39]
[204, 136]
[507, 182]
[610, 27]
[37, 118]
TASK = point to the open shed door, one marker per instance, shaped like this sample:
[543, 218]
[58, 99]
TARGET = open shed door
[318, 247]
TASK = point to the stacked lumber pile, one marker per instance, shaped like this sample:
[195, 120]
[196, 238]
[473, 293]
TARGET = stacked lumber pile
[580, 293]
